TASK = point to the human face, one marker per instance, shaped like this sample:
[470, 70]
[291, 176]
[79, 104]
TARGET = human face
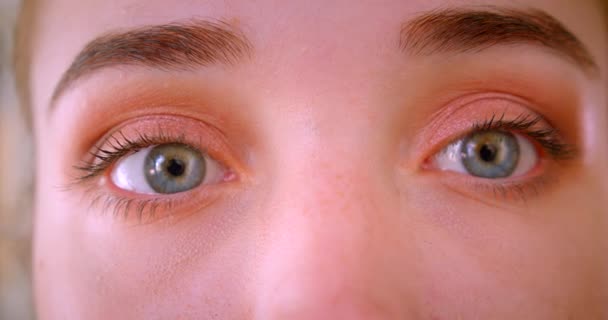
[336, 184]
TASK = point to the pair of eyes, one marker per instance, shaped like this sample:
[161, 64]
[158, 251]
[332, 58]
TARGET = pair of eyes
[177, 167]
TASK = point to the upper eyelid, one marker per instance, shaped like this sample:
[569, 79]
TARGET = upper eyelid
[107, 157]
[117, 143]
[143, 206]
[548, 137]
[514, 189]
[461, 114]
[437, 146]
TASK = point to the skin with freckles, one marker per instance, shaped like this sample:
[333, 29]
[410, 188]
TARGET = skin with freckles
[324, 122]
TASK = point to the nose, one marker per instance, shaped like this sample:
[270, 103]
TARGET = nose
[330, 243]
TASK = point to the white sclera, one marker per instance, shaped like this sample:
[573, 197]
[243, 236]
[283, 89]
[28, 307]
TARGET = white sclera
[128, 173]
[450, 158]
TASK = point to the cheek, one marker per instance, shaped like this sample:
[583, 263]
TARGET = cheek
[94, 268]
[420, 248]
[90, 265]
[471, 260]
[534, 270]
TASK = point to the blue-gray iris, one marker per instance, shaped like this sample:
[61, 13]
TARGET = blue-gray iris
[490, 154]
[175, 167]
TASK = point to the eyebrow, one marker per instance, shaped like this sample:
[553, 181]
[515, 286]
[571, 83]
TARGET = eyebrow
[175, 46]
[196, 43]
[464, 30]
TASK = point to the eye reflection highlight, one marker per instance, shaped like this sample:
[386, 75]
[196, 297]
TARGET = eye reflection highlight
[165, 169]
[489, 154]
[173, 168]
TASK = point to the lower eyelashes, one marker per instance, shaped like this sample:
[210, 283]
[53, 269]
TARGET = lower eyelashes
[506, 158]
[149, 168]
[143, 210]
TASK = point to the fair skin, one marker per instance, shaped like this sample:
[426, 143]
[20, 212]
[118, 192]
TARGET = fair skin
[330, 202]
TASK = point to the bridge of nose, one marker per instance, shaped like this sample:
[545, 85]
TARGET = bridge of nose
[334, 239]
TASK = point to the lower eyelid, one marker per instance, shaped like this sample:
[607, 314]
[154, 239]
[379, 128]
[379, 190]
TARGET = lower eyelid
[139, 209]
[101, 192]
[512, 192]
[454, 122]
[507, 193]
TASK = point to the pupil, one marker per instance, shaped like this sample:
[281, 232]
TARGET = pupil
[487, 153]
[176, 167]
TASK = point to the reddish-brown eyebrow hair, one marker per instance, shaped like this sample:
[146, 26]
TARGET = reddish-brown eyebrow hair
[177, 46]
[472, 30]
[183, 46]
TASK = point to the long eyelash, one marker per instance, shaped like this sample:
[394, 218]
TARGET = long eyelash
[548, 138]
[105, 155]
[118, 146]
[144, 209]
[517, 192]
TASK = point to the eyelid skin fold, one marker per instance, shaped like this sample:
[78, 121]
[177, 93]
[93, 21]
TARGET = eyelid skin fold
[159, 129]
[138, 134]
[479, 112]
[473, 112]
[488, 112]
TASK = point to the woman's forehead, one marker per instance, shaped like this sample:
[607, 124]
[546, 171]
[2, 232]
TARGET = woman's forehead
[313, 30]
